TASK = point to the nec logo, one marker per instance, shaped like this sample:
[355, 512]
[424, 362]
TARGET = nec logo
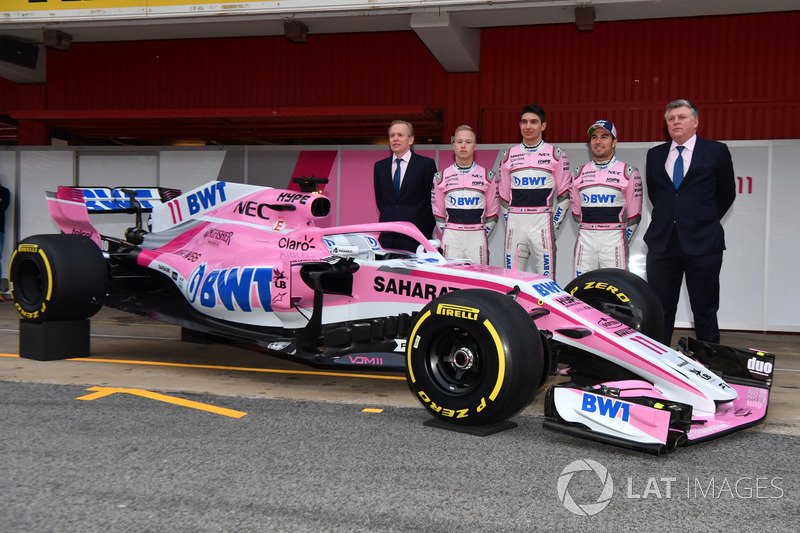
[463, 201]
[605, 406]
[598, 198]
[528, 181]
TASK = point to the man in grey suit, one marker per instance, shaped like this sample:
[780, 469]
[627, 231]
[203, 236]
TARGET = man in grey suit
[691, 185]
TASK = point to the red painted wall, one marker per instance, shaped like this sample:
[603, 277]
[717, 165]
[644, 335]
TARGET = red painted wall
[740, 70]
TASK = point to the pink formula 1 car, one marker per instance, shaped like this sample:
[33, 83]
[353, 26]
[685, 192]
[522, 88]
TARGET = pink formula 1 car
[250, 264]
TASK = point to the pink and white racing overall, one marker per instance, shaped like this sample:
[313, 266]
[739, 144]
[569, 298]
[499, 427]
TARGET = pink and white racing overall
[607, 199]
[532, 180]
[465, 205]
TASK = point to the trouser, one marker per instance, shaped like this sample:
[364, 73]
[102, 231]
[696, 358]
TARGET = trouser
[600, 249]
[466, 244]
[532, 234]
[665, 273]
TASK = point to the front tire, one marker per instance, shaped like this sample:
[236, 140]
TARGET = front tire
[474, 357]
[58, 277]
[621, 295]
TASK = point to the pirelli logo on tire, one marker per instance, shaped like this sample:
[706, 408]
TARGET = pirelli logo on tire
[458, 311]
[28, 248]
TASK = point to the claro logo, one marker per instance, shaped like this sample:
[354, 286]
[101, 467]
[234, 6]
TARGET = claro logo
[291, 244]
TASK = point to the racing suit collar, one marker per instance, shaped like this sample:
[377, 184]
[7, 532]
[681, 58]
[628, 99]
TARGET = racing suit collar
[605, 164]
[533, 148]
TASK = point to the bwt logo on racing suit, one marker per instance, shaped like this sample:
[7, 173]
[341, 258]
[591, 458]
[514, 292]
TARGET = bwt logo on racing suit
[605, 406]
[529, 181]
[598, 198]
[230, 285]
[464, 201]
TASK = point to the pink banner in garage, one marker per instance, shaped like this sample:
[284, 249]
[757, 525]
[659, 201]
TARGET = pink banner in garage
[318, 164]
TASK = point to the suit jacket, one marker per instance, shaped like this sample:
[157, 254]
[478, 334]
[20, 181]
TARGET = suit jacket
[413, 203]
[694, 210]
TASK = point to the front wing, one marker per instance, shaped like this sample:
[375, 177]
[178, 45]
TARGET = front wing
[634, 414]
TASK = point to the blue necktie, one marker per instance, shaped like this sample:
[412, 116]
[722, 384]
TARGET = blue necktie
[677, 170]
[396, 179]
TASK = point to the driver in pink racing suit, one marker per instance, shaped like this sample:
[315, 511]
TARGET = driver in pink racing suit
[607, 200]
[533, 177]
[465, 202]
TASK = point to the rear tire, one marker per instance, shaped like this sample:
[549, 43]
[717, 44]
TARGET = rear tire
[621, 295]
[474, 357]
[58, 277]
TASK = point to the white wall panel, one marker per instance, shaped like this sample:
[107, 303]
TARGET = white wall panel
[782, 266]
[39, 172]
[188, 169]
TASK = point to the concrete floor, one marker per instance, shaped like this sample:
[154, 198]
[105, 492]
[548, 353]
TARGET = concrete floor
[134, 352]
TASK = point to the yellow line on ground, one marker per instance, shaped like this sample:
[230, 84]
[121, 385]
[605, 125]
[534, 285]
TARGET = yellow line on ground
[239, 368]
[100, 392]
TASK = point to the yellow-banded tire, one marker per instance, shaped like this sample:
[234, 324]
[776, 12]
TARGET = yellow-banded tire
[623, 296]
[474, 357]
[58, 277]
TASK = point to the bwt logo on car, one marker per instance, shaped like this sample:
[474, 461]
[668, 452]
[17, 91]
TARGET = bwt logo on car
[546, 264]
[547, 288]
[206, 198]
[598, 198]
[605, 406]
[229, 285]
[529, 181]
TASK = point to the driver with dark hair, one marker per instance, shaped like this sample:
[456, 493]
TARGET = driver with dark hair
[534, 194]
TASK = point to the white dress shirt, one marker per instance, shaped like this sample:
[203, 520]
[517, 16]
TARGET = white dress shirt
[672, 156]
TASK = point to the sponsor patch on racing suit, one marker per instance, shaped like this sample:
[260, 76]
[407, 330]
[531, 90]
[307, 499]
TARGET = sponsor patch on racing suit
[534, 194]
[466, 205]
[607, 199]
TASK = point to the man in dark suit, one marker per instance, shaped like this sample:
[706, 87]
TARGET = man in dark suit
[691, 185]
[403, 184]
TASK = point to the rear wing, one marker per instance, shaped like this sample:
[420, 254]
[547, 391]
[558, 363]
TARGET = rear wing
[118, 199]
[70, 206]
